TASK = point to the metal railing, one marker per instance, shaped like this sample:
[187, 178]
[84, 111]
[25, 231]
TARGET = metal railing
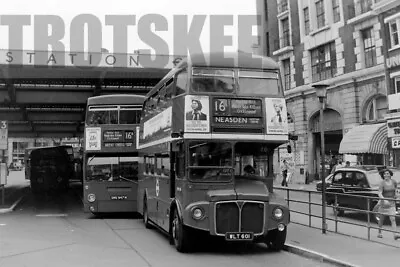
[368, 211]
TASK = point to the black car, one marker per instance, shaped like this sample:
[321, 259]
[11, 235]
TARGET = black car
[328, 181]
[357, 181]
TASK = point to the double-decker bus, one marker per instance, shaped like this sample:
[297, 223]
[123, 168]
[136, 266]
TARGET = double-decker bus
[110, 156]
[206, 143]
[48, 168]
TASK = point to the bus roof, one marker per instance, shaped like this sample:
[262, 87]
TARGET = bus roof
[118, 99]
[247, 61]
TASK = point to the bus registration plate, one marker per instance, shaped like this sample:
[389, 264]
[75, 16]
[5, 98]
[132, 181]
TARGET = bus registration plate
[248, 236]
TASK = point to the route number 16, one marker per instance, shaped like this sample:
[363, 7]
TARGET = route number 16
[128, 135]
[220, 105]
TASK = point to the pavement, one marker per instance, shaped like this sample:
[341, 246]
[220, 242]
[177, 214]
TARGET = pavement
[336, 249]
[13, 191]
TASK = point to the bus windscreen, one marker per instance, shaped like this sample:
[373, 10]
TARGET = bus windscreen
[211, 161]
[250, 82]
[258, 83]
[111, 168]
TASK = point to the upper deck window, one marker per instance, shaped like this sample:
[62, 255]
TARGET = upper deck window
[129, 116]
[113, 115]
[258, 83]
[213, 80]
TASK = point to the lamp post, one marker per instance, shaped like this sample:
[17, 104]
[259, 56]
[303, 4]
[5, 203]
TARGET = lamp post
[320, 90]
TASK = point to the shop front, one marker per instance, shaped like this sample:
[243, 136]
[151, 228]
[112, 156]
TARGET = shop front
[368, 142]
[393, 128]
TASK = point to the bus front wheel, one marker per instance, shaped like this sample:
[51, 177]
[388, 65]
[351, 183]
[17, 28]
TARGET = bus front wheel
[180, 234]
[275, 239]
[146, 220]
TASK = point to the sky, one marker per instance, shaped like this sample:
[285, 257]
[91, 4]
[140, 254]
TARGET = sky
[67, 11]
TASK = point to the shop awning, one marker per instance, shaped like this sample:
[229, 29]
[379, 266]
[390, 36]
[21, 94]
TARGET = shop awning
[367, 138]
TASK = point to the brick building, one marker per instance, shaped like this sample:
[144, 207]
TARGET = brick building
[339, 43]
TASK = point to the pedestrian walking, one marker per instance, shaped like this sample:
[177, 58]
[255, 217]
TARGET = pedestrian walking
[387, 189]
[284, 169]
[335, 167]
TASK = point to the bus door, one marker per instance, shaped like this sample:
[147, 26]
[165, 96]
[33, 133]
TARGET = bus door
[150, 183]
[163, 188]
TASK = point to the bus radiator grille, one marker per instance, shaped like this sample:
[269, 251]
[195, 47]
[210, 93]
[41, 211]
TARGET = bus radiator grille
[227, 217]
[252, 217]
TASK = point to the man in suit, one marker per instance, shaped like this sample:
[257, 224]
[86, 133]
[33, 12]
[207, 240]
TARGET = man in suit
[196, 113]
[278, 118]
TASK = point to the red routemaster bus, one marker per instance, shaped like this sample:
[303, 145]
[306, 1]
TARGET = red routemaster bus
[110, 156]
[206, 143]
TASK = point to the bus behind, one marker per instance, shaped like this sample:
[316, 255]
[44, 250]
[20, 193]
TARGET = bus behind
[110, 157]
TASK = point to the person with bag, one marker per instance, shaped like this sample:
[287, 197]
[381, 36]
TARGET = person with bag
[387, 189]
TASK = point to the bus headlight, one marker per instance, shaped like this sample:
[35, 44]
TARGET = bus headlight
[197, 213]
[278, 213]
[91, 198]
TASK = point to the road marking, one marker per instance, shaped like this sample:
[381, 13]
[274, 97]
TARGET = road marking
[52, 215]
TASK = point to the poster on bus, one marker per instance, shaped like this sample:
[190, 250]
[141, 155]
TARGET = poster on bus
[276, 116]
[93, 138]
[197, 115]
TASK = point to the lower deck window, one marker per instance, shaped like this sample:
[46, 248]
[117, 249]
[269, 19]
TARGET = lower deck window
[111, 168]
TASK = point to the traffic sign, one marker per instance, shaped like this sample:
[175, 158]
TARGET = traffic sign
[3, 135]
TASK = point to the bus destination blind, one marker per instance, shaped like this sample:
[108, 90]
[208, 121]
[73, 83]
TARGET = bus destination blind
[237, 112]
[118, 138]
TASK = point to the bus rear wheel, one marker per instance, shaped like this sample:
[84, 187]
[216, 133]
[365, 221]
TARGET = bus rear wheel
[275, 239]
[180, 234]
[146, 220]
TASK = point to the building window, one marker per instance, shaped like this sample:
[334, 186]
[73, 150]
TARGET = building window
[376, 109]
[286, 73]
[397, 85]
[285, 40]
[363, 6]
[394, 32]
[320, 13]
[268, 53]
[306, 21]
[323, 62]
[336, 10]
[368, 39]
[283, 6]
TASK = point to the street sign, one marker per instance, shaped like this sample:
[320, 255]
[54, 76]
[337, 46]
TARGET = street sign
[3, 135]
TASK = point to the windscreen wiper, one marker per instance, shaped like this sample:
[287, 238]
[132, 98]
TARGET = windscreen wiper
[123, 178]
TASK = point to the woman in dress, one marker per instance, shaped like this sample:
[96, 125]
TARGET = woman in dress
[387, 189]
